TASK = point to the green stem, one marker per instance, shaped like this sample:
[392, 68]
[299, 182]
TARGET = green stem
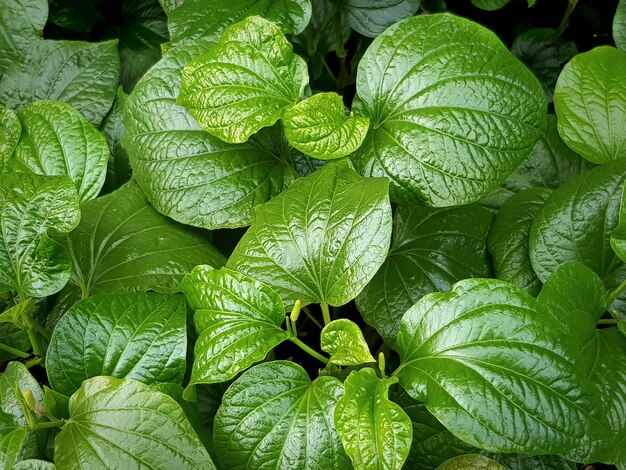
[607, 321]
[311, 317]
[50, 424]
[15, 352]
[613, 296]
[34, 361]
[308, 350]
[571, 5]
[325, 313]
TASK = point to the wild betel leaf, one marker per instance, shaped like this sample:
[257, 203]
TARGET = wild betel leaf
[319, 128]
[21, 23]
[490, 363]
[343, 340]
[127, 424]
[375, 431]
[273, 416]
[590, 101]
[30, 261]
[140, 336]
[436, 142]
[118, 169]
[372, 17]
[247, 81]
[619, 25]
[618, 235]
[320, 240]
[473, 461]
[10, 131]
[57, 140]
[238, 321]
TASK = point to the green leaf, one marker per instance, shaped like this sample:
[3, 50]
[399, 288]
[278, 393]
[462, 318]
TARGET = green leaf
[10, 130]
[118, 169]
[509, 239]
[246, 82]
[56, 404]
[125, 424]
[123, 245]
[375, 432]
[490, 5]
[344, 341]
[525, 462]
[57, 140]
[545, 53]
[435, 141]
[273, 416]
[318, 127]
[590, 101]
[473, 461]
[372, 17]
[576, 223]
[322, 29]
[491, 341]
[14, 337]
[75, 15]
[30, 261]
[140, 336]
[189, 175]
[238, 321]
[21, 23]
[81, 74]
[618, 234]
[619, 25]
[431, 249]
[34, 464]
[188, 19]
[320, 240]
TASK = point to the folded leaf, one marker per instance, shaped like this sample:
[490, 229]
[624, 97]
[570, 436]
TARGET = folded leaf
[238, 321]
[344, 341]
[435, 141]
[375, 431]
[118, 169]
[31, 262]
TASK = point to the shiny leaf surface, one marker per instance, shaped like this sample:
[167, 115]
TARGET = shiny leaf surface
[118, 169]
[344, 341]
[10, 131]
[372, 17]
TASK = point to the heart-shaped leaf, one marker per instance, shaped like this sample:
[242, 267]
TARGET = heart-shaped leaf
[344, 341]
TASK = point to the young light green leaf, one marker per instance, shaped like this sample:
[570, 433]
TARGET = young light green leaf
[344, 341]
[57, 140]
[246, 82]
[321, 240]
[273, 416]
[55, 403]
[509, 239]
[619, 25]
[375, 432]
[492, 341]
[590, 102]
[576, 223]
[431, 249]
[238, 321]
[10, 131]
[123, 245]
[126, 424]
[188, 19]
[372, 17]
[34, 464]
[81, 74]
[318, 127]
[31, 262]
[140, 336]
[187, 174]
[21, 23]
[433, 140]
[473, 461]
[118, 169]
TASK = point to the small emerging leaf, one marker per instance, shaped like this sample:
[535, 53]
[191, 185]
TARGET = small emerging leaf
[344, 341]
[473, 461]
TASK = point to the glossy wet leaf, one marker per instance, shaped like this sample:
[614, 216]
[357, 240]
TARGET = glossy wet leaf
[34, 464]
[186, 173]
[493, 342]
[372, 17]
[590, 101]
[434, 140]
[273, 416]
[108, 429]
[21, 23]
[431, 249]
[322, 239]
[57, 140]
[81, 74]
[55, 403]
[30, 261]
[618, 235]
[619, 25]
[10, 131]
[238, 321]
[344, 341]
[509, 239]
[188, 19]
[319, 128]
[123, 244]
[140, 336]
[473, 461]
[576, 224]
[118, 168]
[247, 81]
[375, 431]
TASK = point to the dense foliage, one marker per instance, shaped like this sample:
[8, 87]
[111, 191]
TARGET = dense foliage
[434, 273]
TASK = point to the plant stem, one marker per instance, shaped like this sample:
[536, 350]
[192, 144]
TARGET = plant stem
[50, 424]
[16, 352]
[571, 5]
[607, 321]
[325, 313]
[309, 350]
[32, 362]
[312, 317]
[616, 293]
